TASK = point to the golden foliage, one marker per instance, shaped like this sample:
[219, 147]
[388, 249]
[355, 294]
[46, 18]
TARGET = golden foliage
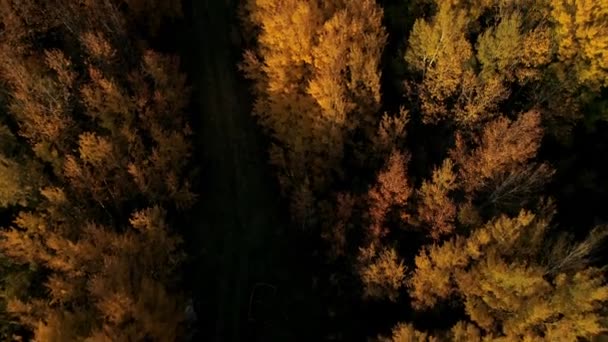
[432, 280]
[154, 168]
[582, 38]
[405, 332]
[506, 290]
[435, 208]
[113, 270]
[433, 44]
[38, 99]
[94, 149]
[499, 48]
[439, 50]
[346, 60]
[512, 53]
[116, 137]
[316, 78]
[537, 53]
[286, 40]
[467, 85]
[465, 332]
[381, 272]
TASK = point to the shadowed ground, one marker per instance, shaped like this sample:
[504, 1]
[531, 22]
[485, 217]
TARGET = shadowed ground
[250, 286]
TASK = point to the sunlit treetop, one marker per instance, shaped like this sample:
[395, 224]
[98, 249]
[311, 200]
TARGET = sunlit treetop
[582, 36]
[510, 286]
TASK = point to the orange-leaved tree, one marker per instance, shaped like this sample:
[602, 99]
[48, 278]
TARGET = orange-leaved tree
[104, 143]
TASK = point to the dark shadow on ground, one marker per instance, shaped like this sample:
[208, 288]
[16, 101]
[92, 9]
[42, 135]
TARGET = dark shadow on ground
[249, 274]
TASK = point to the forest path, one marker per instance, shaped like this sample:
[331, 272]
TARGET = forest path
[238, 240]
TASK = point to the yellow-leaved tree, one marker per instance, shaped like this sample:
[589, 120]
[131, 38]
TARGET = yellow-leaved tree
[513, 284]
[439, 51]
[468, 56]
[582, 38]
[316, 78]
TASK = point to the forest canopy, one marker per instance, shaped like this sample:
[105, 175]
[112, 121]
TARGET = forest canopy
[468, 228]
[437, 167]
[95, 144]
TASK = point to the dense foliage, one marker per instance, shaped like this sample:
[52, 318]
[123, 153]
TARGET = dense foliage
[472, 233]
[429, 152]
[94, 149]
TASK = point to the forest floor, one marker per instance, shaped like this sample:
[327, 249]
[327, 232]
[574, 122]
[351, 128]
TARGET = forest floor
[240, 243]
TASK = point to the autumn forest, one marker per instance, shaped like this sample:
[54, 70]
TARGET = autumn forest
[303, 170]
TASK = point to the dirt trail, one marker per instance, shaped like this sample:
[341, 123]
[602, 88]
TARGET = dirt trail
[238, 237]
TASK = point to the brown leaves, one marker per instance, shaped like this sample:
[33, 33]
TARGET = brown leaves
[94, 149]
[170, 93]
[149, 219]
[379, 267]
[13, 188]
[94, 127]
[58, 62]
[105, 100]
[392, 190]
[39, 101]
[154, 110]
[502, 147]
[58, 326]
[97, 46]
[21, 20]
[117, 307]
